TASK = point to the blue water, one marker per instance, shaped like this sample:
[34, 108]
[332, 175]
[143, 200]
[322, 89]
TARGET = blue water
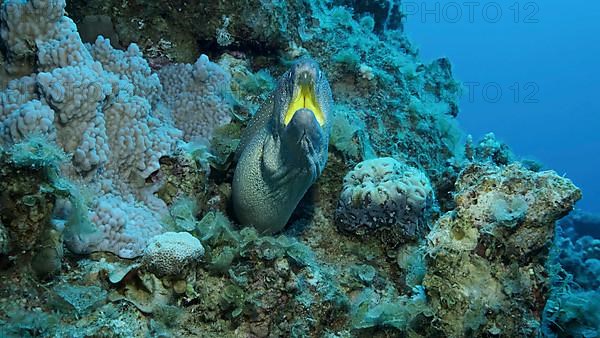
[531, 76]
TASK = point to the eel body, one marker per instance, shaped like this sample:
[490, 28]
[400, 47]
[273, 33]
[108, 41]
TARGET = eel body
[284, 149]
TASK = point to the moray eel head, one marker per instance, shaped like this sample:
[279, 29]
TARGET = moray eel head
[306, 89]
[305, 113]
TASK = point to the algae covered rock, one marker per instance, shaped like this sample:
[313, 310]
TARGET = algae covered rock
[183, 173]
[81, 298]
[30, 190]
[486, 262]
[26, 205]
[178, 29]
[4, 244]
[385, 196]
[172, 253]
[488, 149]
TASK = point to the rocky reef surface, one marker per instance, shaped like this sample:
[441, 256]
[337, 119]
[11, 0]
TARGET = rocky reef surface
[119, 122]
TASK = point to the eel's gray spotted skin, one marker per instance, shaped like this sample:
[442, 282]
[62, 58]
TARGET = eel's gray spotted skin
[279, 158]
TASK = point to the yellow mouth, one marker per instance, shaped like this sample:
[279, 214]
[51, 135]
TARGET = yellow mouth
[304, 99]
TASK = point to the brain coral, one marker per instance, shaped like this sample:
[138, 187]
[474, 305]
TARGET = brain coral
[384, 194]
[172, 253]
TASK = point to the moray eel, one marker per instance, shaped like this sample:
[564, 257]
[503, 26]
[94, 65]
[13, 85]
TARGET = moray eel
[284, 149]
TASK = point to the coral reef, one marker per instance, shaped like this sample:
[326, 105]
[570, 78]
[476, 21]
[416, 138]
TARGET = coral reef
[582, 223]
[411, 105]
[184, 174]
[125, 228]
[488, 149]
[574, 314]
[117, 143]
[572, 309]
[580, 256]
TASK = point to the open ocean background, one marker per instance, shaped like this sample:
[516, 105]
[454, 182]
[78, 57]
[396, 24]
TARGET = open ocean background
[530, 71]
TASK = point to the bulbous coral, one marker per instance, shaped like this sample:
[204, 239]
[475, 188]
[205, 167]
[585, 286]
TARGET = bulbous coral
[384, 194]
